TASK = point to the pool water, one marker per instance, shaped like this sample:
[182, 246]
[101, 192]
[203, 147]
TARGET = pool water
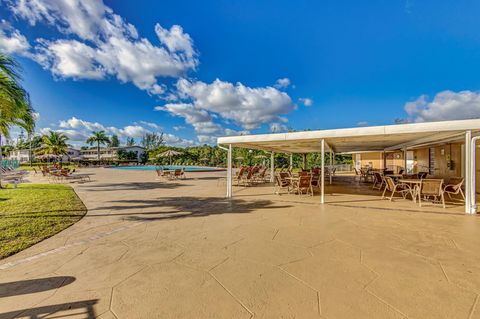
[168, 167]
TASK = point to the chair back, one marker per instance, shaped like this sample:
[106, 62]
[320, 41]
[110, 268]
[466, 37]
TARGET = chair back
[455, 183]
[431, 187]
[304, 181]
[315, 179]
[390, 183]
[422, 175]
[378, 177]
[178, 172]
[240, 173]
[400, 172]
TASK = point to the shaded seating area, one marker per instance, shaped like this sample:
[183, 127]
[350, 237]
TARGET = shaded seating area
[416, 179]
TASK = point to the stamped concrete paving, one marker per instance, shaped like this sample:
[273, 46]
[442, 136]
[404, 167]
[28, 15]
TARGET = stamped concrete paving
[156, 249]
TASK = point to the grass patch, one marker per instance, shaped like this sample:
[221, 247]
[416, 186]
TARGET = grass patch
[33, 212]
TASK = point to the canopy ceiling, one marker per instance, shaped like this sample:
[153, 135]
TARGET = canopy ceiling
[362, 139]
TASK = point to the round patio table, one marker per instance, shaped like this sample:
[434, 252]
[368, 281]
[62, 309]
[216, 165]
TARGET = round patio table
[415, 183]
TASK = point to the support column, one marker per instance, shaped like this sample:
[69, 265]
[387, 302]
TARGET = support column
[272, 167]
[384, 160]
[229, 172]
[304, 161]
[322, 175]
[291, 160]
[473, 170]
[468, 172]
[330, 170]
[405, 159]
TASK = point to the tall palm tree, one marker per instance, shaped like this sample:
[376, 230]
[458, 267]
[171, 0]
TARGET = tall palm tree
[54, 143]
[98, 137]
[15, 108]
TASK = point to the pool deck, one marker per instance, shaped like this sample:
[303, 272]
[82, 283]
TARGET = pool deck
[149, 248]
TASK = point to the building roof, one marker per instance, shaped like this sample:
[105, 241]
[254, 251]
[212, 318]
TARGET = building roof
[373, 138]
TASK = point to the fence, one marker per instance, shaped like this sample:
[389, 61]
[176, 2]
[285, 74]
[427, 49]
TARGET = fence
[10, 163]
[343, 167]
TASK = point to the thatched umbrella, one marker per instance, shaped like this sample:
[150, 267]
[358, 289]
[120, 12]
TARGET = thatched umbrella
[170, 154]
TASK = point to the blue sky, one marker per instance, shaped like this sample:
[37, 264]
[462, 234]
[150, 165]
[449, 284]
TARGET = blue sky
[201, 69]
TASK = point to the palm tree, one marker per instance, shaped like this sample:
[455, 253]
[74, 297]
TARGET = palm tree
[98, 137]
[54, 143]
[15, 108]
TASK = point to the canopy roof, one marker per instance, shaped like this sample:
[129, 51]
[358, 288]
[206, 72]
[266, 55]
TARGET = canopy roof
[359, 139]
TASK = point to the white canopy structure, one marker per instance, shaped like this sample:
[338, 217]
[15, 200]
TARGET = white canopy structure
[370, 139]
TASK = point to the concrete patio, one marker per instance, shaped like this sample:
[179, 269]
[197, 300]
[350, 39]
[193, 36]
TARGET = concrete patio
[155, 249]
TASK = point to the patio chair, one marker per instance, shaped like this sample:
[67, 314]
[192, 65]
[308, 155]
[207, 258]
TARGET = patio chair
[422, 175]
[364, 174]
[431, 188]
[239, 176]
[378, 181]
[261, 176]
[248, 179]
[315, 182]
[454, 187]
[281, 183]
[358, 175]
[303, 184]
[179, 173]
[391, 186]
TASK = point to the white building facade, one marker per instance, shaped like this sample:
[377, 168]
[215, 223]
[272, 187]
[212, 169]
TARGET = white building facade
[111, 153]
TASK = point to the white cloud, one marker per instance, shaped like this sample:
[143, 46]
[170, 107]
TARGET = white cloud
[11, 40]
[245, 106]
[151, 125]
[106, 45]
[282, 83]
[174, 140]
[278, 128]
[69, 58]
[79, 130]
[362, 123]
[306, 101]
[446, 105]
[179, 128]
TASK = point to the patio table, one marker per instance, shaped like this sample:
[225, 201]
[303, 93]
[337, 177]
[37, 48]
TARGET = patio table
[415, 183]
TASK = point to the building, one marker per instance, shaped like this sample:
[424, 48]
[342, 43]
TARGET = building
[23, 156]
[19, 155]
[111, 153]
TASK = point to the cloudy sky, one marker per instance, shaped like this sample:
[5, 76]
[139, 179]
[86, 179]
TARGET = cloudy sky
[201, 69]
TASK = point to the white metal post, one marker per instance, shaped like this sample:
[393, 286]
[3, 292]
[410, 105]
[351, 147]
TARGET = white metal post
[322, 177]
[330, 170]
[229, 171]
[468, 173]
[473, 170]
[272, 167]
[291, 161]
[405, 160]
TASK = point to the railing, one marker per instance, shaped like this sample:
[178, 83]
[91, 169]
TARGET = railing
[10, 163]
[343, 167]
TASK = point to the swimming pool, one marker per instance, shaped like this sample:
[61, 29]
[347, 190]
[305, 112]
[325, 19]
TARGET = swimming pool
[170, 167]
